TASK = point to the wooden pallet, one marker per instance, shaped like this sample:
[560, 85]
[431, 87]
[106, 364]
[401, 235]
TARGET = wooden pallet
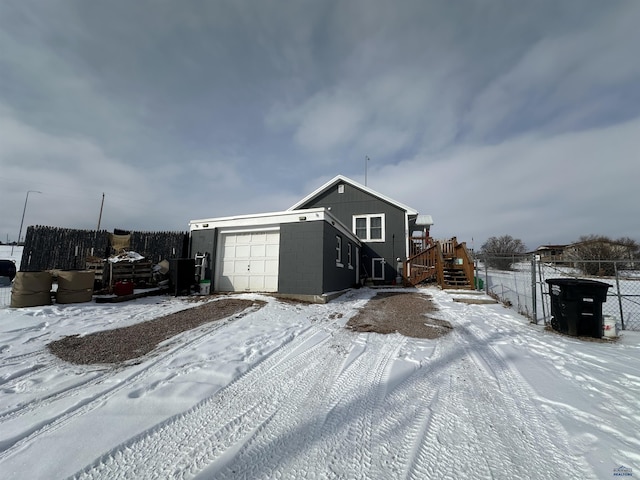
[137, 272]
[97, 268]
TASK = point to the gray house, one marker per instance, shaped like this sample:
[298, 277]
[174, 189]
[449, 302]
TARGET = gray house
[336, 237]
[382, 225]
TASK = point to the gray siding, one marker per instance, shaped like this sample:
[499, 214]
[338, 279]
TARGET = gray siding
[358, 202]
[337, 277]
[204, 241]
[301, 258]
[308, 259]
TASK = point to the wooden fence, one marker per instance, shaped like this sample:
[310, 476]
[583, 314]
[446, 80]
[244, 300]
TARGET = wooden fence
[47, 248]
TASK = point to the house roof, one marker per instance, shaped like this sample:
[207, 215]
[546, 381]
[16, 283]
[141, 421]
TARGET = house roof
[424, 220]
[272, 219]
[342, 179]
[551, 247]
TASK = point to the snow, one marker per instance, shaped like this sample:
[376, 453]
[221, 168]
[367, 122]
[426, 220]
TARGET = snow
[515, 286]
[287, 392]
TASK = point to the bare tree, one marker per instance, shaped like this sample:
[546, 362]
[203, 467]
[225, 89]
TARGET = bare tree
[594, 254]
[502, 252]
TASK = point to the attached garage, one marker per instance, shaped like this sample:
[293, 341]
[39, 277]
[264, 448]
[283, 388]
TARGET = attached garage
[304, 253]
[248, 261]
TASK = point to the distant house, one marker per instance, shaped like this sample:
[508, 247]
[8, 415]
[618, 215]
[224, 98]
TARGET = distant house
[339, 235]
[551, 253]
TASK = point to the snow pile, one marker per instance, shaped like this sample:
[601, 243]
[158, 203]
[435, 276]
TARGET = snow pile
[129, 256]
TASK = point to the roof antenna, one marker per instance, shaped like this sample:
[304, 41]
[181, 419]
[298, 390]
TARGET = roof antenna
[366, 162]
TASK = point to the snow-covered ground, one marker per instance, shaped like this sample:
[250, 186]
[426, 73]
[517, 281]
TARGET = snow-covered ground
[515, 286]
[287, 392]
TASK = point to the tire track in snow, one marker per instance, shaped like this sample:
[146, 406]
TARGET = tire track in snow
[292, 403]
[90, 403]
[358, 411]
[405, 418]
[296, 424]
[485, 403]
[186, 443]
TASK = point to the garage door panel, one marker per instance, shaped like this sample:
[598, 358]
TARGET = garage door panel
[271, 283]
[249, 262]
[259, 237]
[271, 266]
[273, 250]
[228, 267]
[256, 267]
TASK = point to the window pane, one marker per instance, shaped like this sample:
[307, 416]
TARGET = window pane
[376, 228]
[361, 228]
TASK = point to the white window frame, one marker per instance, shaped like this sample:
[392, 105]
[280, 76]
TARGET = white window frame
[368, 218]
[350, 255]
[339, 251]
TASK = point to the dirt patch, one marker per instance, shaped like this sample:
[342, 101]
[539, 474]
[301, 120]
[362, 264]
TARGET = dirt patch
[405, 313]
[127, 343]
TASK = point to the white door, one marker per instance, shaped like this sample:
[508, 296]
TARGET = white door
[377, 267]
[248, 262]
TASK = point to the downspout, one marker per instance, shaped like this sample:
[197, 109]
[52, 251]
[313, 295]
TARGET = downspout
[406, 235]
[407, 273]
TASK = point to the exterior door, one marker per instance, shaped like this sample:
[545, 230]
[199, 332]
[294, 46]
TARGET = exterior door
[248, 261]
[377, 268]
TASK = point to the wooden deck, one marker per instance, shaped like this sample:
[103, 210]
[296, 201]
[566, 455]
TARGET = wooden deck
[447, 263]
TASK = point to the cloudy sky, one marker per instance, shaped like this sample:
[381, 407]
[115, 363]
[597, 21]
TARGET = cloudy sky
[494, 116]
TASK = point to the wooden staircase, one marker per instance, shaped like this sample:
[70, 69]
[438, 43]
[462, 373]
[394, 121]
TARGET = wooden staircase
[446, 263]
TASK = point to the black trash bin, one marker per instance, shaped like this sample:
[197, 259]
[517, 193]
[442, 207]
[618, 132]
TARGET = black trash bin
[182, 275]
[576, 306]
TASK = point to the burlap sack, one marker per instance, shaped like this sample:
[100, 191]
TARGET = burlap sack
[120, 242]
[32, 282]
[75, 286]
[23, 300]
[31, 289]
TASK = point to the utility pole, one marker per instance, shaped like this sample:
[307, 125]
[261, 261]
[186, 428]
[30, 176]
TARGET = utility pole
[100, 216]
[23, 212]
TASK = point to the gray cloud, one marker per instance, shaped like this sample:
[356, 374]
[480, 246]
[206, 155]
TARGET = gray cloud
[492, 116]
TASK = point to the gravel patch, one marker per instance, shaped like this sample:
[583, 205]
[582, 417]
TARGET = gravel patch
[405, 313]
[127, 343]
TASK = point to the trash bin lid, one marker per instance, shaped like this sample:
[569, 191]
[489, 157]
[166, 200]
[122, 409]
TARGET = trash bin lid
[575, 288]
[576, 282]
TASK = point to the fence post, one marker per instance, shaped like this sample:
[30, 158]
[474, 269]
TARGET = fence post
[533, 288]
[544, 310]
[615, 268]
[486, 275]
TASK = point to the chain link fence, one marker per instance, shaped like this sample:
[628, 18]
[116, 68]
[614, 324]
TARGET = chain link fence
[5, 296]
[524, 286]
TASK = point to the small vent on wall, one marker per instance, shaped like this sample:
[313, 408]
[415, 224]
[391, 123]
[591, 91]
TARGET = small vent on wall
[341, 188]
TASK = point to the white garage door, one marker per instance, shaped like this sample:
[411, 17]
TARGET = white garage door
[248, 262]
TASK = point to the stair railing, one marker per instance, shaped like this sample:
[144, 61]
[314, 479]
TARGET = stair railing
[421, 266]
[467, 262]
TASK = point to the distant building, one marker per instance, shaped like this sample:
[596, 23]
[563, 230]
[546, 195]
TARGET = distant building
[551, 253]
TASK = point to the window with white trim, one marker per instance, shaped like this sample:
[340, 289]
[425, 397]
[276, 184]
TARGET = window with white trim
[339, 251]
[369, 228]
[349, 256]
